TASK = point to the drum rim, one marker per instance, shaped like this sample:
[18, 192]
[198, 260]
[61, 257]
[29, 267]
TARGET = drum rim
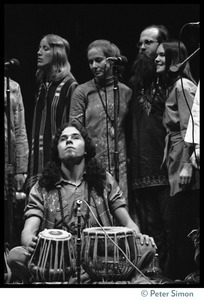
[108, 229]
[63, 234]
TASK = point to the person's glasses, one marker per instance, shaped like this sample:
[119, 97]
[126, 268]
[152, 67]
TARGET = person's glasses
[146, 43]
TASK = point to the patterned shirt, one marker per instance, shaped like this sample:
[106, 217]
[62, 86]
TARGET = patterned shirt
[58, 208]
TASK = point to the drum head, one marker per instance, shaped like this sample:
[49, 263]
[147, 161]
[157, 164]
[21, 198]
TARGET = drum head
[55, 234]
[108, 229]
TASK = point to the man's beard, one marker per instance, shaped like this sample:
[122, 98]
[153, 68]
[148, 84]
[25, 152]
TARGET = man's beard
[72, 160]
[144, 70]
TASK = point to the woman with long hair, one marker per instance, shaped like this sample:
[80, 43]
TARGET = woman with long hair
[183, 177]
[55, 87]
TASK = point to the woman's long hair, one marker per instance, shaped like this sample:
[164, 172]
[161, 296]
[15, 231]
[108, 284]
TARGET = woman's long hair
[175, 53]
[60, 64]
[95, 173]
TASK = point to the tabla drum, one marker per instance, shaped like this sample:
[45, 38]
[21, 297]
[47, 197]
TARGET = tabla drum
[54, 257]
[107, 252]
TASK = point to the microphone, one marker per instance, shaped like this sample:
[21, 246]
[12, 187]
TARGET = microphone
[178, 67]
[12, 62]
[196, 24]
[79, 202]
[120, 60]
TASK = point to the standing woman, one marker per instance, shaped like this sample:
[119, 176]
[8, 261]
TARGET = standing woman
[92, 106]
[183, 177]
[55, 87]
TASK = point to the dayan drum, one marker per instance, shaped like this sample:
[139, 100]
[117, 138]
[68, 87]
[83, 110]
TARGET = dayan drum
[107, 253]
[54, 257]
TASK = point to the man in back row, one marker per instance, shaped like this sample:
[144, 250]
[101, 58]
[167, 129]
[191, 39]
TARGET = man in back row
[145, 143]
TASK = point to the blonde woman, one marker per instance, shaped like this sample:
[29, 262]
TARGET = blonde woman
[55, 87]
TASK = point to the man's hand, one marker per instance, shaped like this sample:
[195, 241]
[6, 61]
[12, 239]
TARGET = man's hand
[31, 246]
[19, 180]
[186, 174]
[144, 238]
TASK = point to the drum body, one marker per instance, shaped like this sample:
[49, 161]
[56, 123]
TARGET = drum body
[54, 257]
[102, 257]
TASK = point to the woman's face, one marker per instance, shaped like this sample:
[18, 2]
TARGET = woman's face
[98, 63]
[45, 54]
[160, 60]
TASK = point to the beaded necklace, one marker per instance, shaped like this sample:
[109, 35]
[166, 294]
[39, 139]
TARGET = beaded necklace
[111, 130]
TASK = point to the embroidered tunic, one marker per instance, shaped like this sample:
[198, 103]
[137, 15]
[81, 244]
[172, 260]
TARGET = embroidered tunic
[87, 107]
[147, 139]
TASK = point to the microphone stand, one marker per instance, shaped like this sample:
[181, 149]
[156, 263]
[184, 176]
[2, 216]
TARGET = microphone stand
[10, 167]
[78, 243]
[115, 91]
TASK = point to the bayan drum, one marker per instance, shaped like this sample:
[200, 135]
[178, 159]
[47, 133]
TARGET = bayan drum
[107, 252]
[54, 257]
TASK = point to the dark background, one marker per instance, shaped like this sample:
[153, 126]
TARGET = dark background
[80, 24]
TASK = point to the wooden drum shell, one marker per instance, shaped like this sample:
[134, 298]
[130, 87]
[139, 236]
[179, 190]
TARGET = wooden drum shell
[102, 259]
[54, 257]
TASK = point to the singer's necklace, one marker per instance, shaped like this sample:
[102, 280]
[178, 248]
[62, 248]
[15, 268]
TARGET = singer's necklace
[111, 131]
[104, 105]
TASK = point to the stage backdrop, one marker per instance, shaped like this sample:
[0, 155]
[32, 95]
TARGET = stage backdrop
[80, 24]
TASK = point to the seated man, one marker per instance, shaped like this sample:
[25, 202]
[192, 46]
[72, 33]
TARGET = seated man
[73, 174]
